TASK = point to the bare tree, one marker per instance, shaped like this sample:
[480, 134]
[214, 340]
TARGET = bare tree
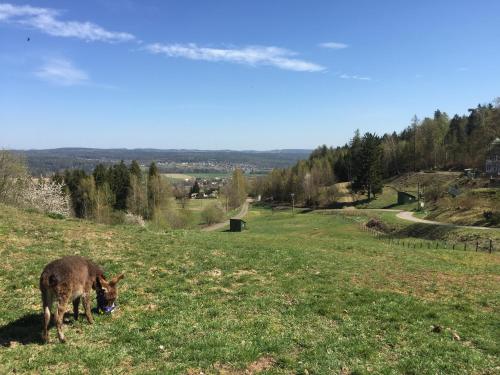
[12, 171]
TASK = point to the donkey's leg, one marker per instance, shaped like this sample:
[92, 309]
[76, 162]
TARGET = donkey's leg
[47, 305]
[60, 310]
[76, 304]
[86, 305]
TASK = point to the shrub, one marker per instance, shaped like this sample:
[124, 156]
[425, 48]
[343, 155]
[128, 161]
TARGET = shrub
[434, 192]
[179, 219]
[377, 225]
[44, 196]
[212, 214]
[132, 219]
[55, 216]
[492, 217]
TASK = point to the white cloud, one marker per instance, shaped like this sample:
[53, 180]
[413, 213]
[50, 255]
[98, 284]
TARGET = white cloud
[333, 45]
[46, 20]
[360, 78]
[251, 55]
[62, 72]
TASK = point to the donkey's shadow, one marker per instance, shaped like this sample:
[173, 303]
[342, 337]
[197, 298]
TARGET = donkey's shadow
[27, 329]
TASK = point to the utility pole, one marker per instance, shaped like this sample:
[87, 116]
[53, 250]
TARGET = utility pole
[415, 123]
[293, 202]
[418, 196]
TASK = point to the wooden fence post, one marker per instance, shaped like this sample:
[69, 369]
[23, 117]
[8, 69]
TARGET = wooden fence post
[491, 246]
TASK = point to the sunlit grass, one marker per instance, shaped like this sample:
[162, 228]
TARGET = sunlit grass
[292, 293]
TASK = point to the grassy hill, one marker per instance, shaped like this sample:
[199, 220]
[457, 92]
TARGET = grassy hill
[475, 197]
[309, 293]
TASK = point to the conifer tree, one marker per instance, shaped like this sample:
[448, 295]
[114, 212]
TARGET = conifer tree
[135, 170]
[100, 174]
[119, 181]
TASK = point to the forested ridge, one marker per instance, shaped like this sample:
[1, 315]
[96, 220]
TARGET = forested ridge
[440, 142]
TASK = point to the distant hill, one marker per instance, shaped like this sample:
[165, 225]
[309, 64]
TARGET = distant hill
[172, 160]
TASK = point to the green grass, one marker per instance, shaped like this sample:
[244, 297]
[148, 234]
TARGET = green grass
[293, 293]
[196, 206]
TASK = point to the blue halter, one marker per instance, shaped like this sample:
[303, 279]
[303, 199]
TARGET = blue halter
[101, 304]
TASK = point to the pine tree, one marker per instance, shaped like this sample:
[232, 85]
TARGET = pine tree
[135, 170]
[119, 181]
[100, 174]
[153, 170]
[195, 189]
[72, 179]
[368, 173]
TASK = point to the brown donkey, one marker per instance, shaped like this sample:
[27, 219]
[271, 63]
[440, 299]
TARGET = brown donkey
[72, 278]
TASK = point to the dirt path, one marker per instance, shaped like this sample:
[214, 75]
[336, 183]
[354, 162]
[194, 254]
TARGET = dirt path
[407, 215]
[243, 212]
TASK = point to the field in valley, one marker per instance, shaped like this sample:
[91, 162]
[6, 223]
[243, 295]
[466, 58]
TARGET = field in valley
[295, 294]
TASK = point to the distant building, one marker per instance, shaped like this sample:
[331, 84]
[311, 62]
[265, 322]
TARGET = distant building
[237, 225]
[471, 173]
[493, 159]
[404, 197]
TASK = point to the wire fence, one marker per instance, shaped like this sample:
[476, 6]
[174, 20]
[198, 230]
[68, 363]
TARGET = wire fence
[478, 245]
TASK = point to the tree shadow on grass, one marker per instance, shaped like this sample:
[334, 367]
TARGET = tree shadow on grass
[425, 231]
[25, 330]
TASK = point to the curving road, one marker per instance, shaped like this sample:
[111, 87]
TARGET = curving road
[407, 215]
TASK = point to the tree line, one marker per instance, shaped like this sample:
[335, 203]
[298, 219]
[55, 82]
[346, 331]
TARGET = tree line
[437, 142]
[108, 193]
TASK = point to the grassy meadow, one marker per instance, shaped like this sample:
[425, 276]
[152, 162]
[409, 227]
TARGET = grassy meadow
[294, 294]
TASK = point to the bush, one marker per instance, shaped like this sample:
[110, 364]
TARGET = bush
[55, 216]
[44, 196]
[377, 225]
[212, 214]
[180, 219]
[492, 217]
[132, 219]
[434, 192]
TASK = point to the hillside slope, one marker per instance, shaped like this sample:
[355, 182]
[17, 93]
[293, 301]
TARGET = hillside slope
[477, 201]
[293, 293]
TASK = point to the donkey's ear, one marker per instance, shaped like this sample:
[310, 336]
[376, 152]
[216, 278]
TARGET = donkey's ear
[115, 280]
[101, 281]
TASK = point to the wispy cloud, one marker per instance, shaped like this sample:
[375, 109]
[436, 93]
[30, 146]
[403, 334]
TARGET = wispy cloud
[47, 20]
[251, 55]
[62, 72]
[360, 78]
[333, 45]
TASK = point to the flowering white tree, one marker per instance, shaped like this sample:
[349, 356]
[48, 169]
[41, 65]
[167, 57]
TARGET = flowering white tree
[46, 196]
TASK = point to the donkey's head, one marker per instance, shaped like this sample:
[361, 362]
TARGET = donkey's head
[107, 292]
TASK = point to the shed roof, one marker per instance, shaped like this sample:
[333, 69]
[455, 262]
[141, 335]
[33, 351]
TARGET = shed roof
[496, 142]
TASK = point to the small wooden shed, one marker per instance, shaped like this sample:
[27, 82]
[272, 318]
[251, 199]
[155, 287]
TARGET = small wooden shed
[404, 197]
[236, 225]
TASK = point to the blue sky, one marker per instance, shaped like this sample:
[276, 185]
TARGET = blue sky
[237, 74]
